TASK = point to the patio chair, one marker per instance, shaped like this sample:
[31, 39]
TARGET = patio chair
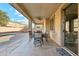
[38, 40]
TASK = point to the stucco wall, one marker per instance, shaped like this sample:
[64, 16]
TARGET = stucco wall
[56, 33]
[78, 29]
[57, 25]
[9, 29]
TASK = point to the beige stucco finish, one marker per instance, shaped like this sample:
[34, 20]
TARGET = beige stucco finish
[56, 33]
[78, 29]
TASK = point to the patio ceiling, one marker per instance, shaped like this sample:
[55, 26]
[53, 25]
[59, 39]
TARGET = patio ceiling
[37, 11]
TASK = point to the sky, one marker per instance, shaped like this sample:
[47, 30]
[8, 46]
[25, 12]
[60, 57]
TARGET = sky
[13, 14]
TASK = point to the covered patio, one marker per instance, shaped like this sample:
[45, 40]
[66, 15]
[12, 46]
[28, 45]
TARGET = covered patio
[61, 22]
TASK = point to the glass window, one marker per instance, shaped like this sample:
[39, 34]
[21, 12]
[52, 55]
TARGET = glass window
[71, 28]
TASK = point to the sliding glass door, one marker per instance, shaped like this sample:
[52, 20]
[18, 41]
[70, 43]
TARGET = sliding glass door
[71, 28]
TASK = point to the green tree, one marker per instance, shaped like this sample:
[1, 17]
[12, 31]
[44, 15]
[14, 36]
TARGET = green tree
[4, 18]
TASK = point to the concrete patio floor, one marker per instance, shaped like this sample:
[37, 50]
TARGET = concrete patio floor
[23, 47]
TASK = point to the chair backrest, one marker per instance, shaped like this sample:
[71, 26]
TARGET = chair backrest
[38, 34]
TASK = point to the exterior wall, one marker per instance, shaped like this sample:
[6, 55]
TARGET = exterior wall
[16, 25]
[56, 33]
[78, 29]
[58, 26]
[9, 29]
[12, 27]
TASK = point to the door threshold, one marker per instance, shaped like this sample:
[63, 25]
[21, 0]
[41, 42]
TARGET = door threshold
[69, 51]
